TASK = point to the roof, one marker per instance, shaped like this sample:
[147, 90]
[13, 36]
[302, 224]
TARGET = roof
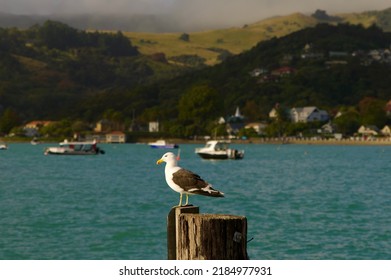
[116, 133]
[37, 123]
[307, 110]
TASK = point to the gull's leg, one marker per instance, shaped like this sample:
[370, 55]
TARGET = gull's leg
[180, 200]
[187, 200]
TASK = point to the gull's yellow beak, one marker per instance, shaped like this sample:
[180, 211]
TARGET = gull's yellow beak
[159, 161]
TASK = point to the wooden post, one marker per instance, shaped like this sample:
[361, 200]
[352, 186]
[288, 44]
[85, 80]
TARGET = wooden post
[206, 236]
[172, 228]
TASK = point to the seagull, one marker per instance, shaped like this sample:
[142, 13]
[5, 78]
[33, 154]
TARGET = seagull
[185, 181]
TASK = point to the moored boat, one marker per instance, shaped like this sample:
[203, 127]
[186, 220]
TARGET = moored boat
[3, 146]
[216, 149]
[75, 148]
[35, 141]
[163, 144]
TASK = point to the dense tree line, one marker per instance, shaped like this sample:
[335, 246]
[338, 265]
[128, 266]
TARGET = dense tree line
[53, 71]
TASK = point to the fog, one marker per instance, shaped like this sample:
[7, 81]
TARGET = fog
[220, 13]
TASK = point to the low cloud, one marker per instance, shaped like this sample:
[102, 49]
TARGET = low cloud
[217, 13]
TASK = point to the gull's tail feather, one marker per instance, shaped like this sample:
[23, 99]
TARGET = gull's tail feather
[207, 191]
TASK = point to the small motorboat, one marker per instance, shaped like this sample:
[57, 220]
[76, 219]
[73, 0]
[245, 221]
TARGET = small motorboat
[75, 148]
[3, 146]
[163, 144]
[35, 141]
[216, 149]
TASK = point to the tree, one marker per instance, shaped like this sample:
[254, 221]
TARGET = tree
[116, 45]
[91, 70]
[251, 110]
[373, 112]
[184, 37]
[349, 122]
[281, 122]
[8, 120]
[60, 129]
[57, 35]
[247, 133]
[198, 106]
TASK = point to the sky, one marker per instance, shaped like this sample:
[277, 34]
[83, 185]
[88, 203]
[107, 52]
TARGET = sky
[219, 11]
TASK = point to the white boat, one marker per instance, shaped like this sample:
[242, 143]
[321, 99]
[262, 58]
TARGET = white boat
[216, 149]
[163, 144]
[75, 148]
[35, 141]
[3, 146]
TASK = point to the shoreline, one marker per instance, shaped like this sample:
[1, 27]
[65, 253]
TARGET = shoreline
[296, 141]
[343, 142]
[287, 141]
[258, 141]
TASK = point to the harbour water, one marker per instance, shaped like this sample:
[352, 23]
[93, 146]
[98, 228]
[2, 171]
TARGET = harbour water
[302, 201]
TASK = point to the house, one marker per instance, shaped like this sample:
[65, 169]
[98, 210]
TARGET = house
[273, 113]
[386, 130]
[153, 127]
[328, 128]
[283, 71]
[258, 71]
[368, 130]
[257, 126]
[308, 114]
[115, 137]
[32, 128]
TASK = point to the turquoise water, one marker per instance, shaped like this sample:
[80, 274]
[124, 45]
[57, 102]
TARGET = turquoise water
[301, 201]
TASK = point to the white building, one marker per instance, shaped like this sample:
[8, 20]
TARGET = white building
[116, 137]
[368, 130]
[308, 114]
[386, 130]
[153, 127]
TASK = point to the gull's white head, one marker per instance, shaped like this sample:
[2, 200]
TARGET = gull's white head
[167, 158]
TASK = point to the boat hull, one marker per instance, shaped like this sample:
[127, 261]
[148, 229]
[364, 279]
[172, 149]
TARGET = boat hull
[212, 156]
[74, 149]
[230, 154]
[70, 153]
[163, 144]
[168, 146]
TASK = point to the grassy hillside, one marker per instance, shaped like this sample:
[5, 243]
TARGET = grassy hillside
[234, 40]
[238, 39]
